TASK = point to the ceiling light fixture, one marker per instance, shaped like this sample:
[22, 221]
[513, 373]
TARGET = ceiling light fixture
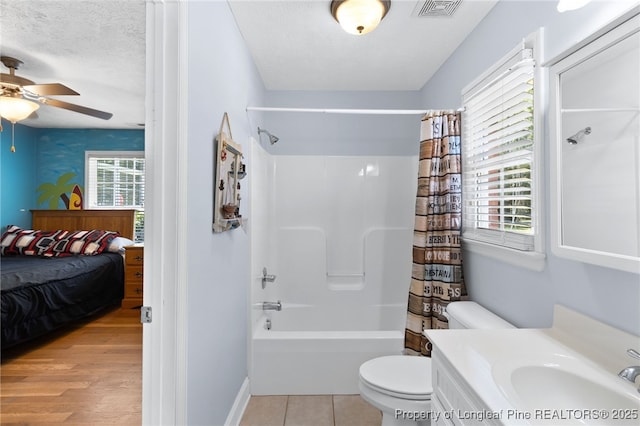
[15, 109]
[359, 17]
[565, 5]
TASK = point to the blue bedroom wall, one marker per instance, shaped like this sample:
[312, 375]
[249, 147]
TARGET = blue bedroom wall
[62, 151]
[18, 175]
[46, 155]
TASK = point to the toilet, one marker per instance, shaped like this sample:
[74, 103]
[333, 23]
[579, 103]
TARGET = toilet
[402, 382]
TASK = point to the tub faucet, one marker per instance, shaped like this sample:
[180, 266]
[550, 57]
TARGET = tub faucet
[267, 278]
[272, 306]
[631, 373]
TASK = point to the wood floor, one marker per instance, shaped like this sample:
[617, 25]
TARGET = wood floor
[85, 375]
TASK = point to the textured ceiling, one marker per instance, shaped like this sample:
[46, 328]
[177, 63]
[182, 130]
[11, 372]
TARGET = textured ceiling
[298, 45]
[97, 47]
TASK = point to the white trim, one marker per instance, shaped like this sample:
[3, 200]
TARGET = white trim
[182, 306]
[164, 347]
[532, 260]
[87, 176]
[239, 405]
[135, 154]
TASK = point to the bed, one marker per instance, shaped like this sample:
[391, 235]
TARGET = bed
[45, 288]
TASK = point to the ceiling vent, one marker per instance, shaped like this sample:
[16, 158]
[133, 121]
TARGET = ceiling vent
[436, 7]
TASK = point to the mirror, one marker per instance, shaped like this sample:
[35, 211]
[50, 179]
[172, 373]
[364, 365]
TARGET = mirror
[596, 150]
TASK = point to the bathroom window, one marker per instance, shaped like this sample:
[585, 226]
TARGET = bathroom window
[501, 154]
[115, 180]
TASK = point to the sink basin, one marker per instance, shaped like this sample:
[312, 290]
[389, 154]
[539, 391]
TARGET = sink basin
[545, 387]
[565, 392]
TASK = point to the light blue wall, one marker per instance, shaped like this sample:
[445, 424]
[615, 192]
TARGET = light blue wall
[221, 78]
[342, 134]
[524, 297]
[18, 176]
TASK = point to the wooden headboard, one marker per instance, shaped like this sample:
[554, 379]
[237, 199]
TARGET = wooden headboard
[76, 220]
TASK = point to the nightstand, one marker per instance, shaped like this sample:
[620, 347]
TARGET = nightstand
[133, 274]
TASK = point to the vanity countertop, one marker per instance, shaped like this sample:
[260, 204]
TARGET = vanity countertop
[568, 370]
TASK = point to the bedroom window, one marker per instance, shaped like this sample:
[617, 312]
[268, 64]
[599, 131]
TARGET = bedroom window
[115, 180]
[501, 158]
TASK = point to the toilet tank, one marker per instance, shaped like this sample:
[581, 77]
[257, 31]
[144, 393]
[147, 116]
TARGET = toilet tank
[471, 315]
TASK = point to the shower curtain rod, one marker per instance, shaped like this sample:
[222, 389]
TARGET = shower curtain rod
[348, 110]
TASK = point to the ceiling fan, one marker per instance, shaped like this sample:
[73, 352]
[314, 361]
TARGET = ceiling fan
[13, 86]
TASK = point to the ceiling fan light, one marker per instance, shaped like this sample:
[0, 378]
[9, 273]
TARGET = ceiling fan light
[359, 17]
[16, 109]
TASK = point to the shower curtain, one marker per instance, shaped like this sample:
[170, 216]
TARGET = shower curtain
[436, 277]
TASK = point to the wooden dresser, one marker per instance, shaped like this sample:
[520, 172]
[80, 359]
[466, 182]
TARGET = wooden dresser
[133, 274]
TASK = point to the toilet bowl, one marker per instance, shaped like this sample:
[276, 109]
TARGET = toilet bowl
[400, 386]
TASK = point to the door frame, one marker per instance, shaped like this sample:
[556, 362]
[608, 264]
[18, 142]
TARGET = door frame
[165, 273]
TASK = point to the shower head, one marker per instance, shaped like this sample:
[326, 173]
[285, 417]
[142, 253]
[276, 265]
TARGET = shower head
[272, 138]
[573, 140]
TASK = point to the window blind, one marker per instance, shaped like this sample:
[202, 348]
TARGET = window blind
[117, 180]
[498, 155]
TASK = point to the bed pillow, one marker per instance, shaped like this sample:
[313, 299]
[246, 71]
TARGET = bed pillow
[87, 243]
[27, 242]
[118, 244]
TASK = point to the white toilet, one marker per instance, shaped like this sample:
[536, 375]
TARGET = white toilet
[399, 382]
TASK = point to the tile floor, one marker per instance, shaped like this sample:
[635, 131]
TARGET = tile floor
[310, 410]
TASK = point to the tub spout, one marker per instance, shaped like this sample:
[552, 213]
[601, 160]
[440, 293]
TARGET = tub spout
[272, 306]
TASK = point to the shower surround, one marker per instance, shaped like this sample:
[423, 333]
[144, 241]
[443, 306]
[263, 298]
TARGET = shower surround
[337, 233]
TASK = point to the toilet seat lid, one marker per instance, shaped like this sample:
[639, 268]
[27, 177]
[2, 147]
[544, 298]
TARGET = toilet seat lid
[399, 375]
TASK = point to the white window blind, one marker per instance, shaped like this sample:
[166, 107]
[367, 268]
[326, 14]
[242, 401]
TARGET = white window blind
[498, 154]
[116, 180]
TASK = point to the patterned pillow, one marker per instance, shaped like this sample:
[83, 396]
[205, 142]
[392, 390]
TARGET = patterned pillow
[86, 243]
[27, 242]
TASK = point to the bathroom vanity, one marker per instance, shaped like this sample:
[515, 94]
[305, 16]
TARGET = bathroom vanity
[564, 375]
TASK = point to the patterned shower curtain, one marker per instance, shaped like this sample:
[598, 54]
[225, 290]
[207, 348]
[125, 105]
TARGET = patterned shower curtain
[436, 277]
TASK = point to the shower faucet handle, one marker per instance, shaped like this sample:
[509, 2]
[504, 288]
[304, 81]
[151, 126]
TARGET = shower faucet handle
[633, 353]
[266, 278]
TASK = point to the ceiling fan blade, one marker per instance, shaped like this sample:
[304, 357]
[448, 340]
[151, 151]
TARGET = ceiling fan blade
[77, 108]
[49, 89]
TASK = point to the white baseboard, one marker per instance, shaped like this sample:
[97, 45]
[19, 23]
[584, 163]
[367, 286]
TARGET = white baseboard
[239, 405]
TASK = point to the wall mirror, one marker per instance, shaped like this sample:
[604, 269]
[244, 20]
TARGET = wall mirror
[595, 150]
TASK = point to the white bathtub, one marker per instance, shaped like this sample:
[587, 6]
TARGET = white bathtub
[310, 351]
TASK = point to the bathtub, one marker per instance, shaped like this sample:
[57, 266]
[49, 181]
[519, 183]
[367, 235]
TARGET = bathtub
[311, 350]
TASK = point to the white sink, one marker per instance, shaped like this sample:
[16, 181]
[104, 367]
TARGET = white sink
[555, 388]
[564, 375]
[566, 391]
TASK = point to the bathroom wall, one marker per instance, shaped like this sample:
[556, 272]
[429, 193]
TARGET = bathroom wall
[221, 78]
[524, 297]
[343, 134]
